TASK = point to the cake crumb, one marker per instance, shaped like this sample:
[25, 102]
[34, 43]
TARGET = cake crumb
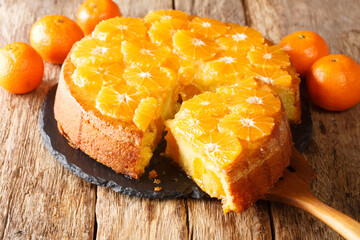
[157, 181]
[157, 189]
[153, 174]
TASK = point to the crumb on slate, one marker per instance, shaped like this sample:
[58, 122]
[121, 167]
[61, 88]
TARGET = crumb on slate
[152, 174]
[157, 189]
[157, 181]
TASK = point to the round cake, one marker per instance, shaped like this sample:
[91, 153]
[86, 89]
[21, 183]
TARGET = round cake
[232, 91]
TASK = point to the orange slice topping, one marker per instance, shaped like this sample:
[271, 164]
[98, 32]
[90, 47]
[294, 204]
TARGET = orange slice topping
[143, 54]
[161, 32]
[119, 103]
[192, 127]
[226, 68]
[272, 76]
[269, 56]
[193, 46]
[120, 28]
[93, 51]
[246, 126]
[209, 28]
[145, 112]
[219, 147]
[97, 76]
[205, 103]
[240, 84]
[255, 101]
[240, 38]
[158, 15]
[152, 78]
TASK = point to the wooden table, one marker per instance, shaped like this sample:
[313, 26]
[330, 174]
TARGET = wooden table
[39, 199]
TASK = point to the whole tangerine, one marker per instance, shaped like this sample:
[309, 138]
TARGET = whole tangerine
[53, 37]
[91, 12]
[304, 48]
[333, 82]
[21, 68]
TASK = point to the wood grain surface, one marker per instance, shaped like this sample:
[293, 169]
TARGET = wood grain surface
[41, 200]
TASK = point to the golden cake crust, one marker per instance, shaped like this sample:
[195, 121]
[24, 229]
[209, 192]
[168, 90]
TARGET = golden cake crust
[274, 156]
[118, 148]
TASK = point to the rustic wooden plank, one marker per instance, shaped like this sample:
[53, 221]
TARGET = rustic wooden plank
[122, 217]
[39, 199]
[207, 221]
[334, 150]
[206, 218]
[223, 10]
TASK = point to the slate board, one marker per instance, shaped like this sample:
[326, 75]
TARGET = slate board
[174, 181]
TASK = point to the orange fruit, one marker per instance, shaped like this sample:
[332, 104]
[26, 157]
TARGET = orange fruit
[304, 48]
[91, 12]
[21, 68]
[53, 37]
[333, 82]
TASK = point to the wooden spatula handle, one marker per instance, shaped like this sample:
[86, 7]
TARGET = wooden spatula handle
[341, 223]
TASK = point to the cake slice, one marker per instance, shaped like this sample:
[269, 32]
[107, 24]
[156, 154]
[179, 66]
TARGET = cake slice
[234, 142]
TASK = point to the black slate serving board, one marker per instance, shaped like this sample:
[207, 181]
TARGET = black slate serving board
[174, 182]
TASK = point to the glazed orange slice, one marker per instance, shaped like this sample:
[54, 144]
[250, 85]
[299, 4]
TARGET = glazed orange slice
[120, 28]
[207, 27]
[257, 101]
[272, 76]
[219, 147]
[94, 51]
[161, 32]
[205, 103]
[143, 53]
[246, 126]
[146, 111]
[120, 103]
[269, 56]
[160, 15]
[95, 77]
[226, 68]
[152, 78]
[193, 127]
[193, 46]
[240, 38]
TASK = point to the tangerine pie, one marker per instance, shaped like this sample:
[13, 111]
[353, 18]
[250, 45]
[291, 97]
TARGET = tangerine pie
[232, 92]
